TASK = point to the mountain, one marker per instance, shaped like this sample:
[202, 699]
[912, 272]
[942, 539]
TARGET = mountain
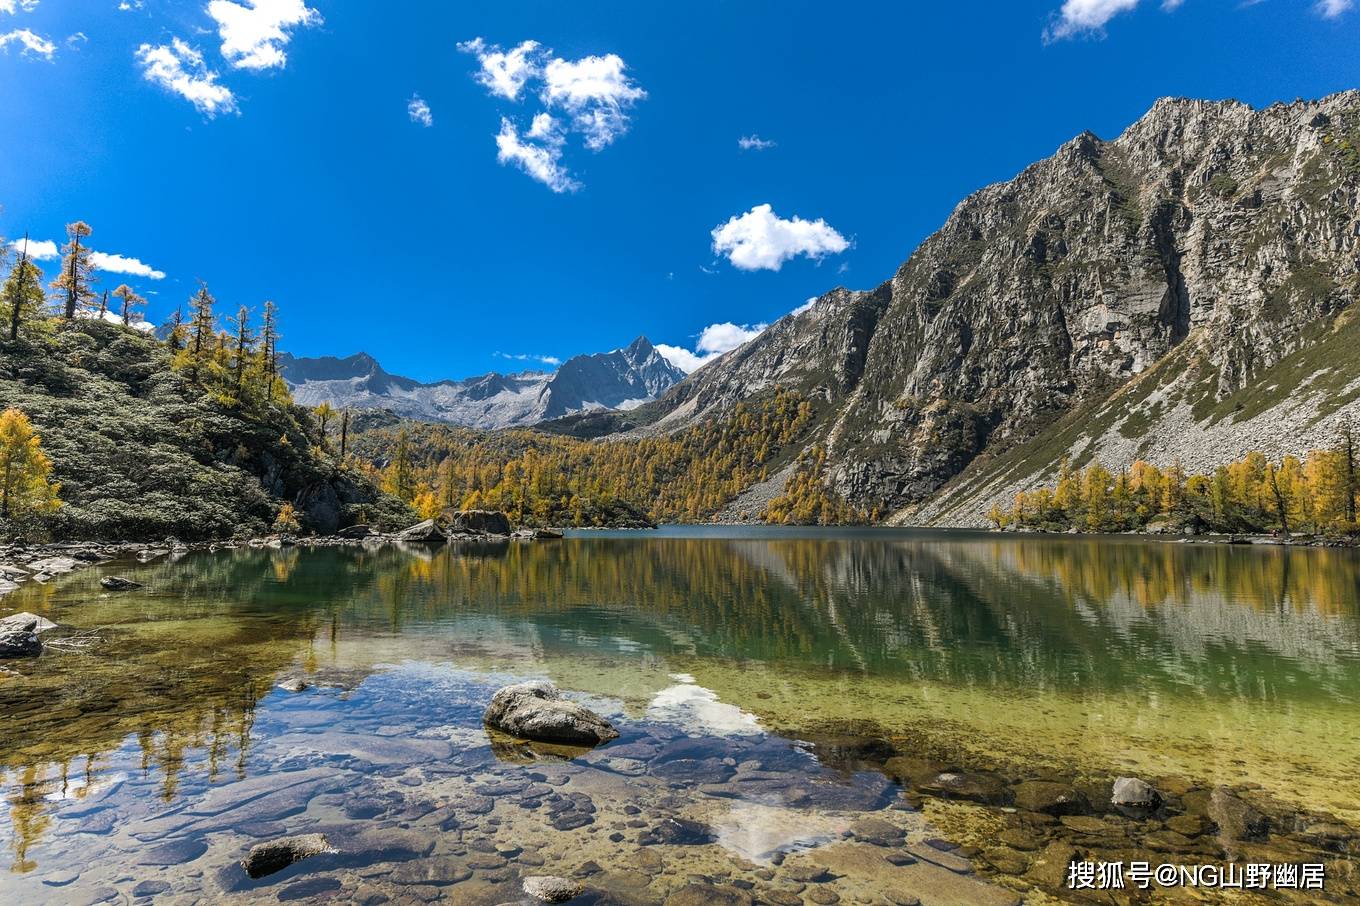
[622, 379]
[1185, 290]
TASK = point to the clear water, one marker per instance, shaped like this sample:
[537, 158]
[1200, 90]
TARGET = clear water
[761, 678]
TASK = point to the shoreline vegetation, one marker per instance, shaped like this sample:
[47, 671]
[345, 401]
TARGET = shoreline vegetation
[1308, 500]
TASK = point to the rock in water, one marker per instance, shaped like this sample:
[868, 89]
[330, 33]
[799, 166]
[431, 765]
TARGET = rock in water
[1130, 792]
[276, 855]
[551, 889]
[423, 533]
[26, 622]
[118, 583]
[485, 522]
[24, 643]
[538, 711]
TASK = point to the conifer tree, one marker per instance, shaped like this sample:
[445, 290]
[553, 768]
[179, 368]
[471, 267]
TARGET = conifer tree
[25, 488]
[23, 291]
[242, 347]
[324, 413]
[77, 272]
[130, 301]
[344, 433]
[269, 343]
[201, 321]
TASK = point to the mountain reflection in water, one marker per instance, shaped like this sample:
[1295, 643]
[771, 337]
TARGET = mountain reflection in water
[721, 634]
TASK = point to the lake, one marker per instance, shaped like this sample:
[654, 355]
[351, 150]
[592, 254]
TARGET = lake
[806, 716]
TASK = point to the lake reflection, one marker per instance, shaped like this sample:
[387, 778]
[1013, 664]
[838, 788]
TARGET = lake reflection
[1212, 664]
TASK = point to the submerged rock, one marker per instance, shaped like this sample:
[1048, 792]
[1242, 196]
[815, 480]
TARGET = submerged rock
[974, 786]
[267, 858]
[118, 583]
[1050, 798]
[677, 832]
[1132, 793]
[538, 711]
[551, 889]
[709, 895]
[1236, 819]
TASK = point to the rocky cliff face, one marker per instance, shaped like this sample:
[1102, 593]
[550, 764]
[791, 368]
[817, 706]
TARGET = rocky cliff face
[1208, 244]
[622, 379]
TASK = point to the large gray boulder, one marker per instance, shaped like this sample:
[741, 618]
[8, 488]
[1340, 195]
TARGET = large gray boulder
[426, 532]
[20, 622]
[482, 522]
[538, 711]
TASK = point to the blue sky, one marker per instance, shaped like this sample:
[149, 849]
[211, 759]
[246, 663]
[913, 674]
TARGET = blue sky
[281, 151]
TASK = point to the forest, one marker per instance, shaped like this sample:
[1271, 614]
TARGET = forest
[546, 479]
[1311, 495]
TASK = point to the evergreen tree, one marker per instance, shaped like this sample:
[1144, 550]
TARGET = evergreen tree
[242, 348]
[174, 333]
[269, 343]
[75, 283]
[202, 324]
[324, 413]
[22, 292]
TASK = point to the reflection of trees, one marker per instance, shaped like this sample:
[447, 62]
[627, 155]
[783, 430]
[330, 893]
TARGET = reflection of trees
[180, 670]
[187, 660]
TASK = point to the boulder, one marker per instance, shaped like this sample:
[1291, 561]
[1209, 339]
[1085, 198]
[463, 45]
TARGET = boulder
[551, 889]
[118, 583]
[21, 622]
[355, 531]
[267, 858]
[52, 566]
[547, 534]
[482, 522]
[1132, 793]
[24, 643]
[538, 711]
[321, 506]
[426, 532]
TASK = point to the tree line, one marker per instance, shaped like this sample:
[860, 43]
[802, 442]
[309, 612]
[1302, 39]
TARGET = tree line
[1315, 494]
[546, 479]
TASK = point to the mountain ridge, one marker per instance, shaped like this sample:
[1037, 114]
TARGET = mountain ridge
[1206, 245]
[620, 379]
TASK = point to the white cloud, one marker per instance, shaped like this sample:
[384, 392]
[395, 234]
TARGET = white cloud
[120, 264]
[14, 6]
[1332, 9]
[806, 306]
[550, 360]
[543, 161]
[419, 111]
[38, 249]
[596, 92]
[761, 240]
[253, 37]
[754, 143]
[1085, 17]
[594, 95]
[34, 44]
[504, 72]
[179, 68]
[714, 340]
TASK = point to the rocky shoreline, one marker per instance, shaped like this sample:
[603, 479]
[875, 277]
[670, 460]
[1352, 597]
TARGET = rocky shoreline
[41, 563]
